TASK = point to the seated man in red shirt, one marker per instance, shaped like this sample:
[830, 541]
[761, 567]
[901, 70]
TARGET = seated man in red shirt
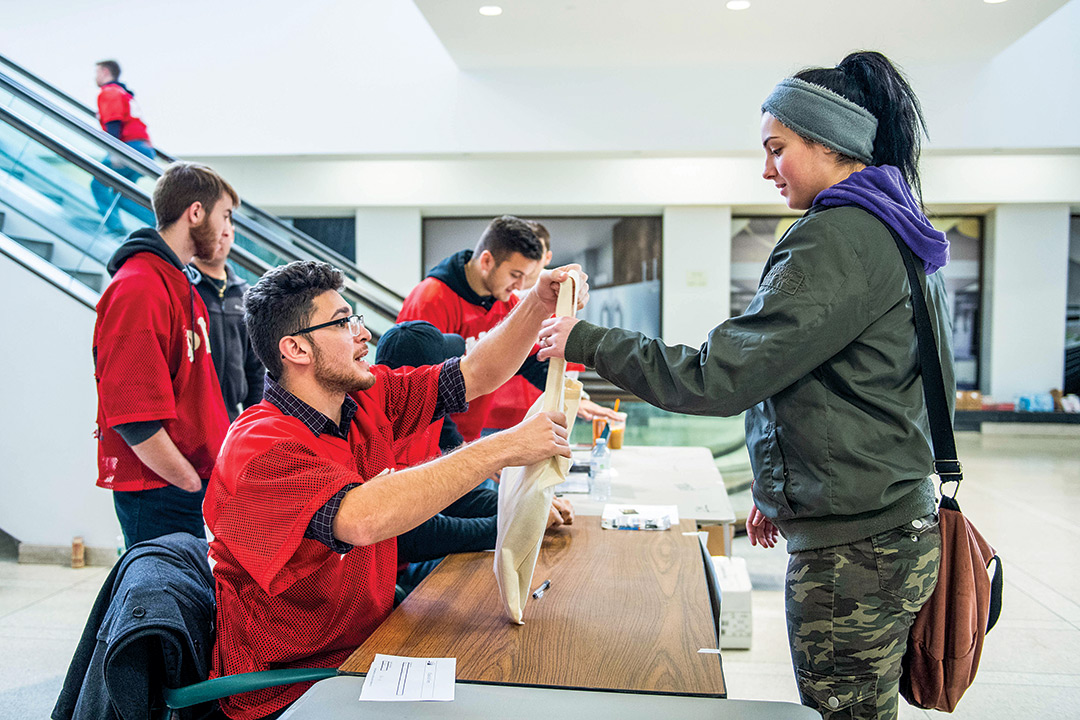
[303, 502]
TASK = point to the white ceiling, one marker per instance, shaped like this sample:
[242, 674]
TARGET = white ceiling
[703, 33]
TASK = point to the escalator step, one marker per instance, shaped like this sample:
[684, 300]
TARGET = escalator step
[41, 248]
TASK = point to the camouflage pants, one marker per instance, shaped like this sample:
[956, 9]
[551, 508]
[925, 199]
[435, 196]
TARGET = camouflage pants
[849, 610]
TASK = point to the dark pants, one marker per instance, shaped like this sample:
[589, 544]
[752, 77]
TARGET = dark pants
[104, 197]
[147, 514]
[849, 610]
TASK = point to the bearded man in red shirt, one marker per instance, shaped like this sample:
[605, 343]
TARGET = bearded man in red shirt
[303, 503]
[161, 418]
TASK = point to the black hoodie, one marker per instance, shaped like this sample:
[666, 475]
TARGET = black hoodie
[452, 272]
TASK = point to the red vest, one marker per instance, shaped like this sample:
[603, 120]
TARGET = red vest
[285, 600]
[149, 365]
[117, 104]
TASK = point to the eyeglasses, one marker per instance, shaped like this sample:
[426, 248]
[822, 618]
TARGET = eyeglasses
[354, 322]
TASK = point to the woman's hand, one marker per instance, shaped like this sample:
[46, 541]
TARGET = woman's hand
[760, 529]
[553, 335]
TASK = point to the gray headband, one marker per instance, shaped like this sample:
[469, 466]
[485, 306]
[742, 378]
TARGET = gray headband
[823, 116]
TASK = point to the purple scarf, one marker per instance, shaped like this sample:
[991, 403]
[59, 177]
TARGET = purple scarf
[883, 192]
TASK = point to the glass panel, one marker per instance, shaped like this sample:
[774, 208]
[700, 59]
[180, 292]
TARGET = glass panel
[49, 207]
[963, 282]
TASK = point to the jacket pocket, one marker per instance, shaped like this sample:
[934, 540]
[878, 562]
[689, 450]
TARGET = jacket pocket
[908, 558]
[842, 696]
[775, 480]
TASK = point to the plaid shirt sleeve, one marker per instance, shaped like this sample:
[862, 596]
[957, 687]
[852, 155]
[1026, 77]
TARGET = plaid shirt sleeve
[451, 390]
[321, 527]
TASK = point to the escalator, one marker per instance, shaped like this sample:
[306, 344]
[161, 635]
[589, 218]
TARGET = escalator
[51, 168]
[55, 242]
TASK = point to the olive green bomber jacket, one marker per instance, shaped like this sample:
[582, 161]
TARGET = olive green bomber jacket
[825, 363]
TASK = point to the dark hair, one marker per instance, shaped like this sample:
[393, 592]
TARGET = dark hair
[507, 235]
[112, 66]
[541, 233]
[871, 81]
[282, 302]
[185, 183]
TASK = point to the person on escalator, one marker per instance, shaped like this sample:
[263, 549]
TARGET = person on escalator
[118, 114]
[161, 418]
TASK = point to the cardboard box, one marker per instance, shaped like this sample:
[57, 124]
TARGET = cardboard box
[969, 400]
[736, 622]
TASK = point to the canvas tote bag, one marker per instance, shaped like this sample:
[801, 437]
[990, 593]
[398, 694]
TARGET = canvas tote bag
[525, 493]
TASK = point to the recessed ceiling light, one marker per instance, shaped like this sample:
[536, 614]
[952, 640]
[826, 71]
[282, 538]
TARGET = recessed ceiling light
[490, 10]
[993, 2]
[738, 4]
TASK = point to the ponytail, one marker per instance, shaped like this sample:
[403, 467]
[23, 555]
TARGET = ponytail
[871, 81]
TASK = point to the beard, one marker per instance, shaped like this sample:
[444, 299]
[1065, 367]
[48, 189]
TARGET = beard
[206, 242]
[337, 379]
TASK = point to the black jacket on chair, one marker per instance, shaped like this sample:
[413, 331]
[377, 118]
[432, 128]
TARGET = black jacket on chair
[151, 626]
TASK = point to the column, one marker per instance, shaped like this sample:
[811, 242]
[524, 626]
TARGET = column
[697, 272]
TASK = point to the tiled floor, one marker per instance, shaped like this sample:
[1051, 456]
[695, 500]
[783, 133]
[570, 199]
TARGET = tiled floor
[1022, 493]
[1024, 496]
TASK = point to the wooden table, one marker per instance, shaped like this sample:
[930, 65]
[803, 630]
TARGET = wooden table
[666, 475]
[625, 611]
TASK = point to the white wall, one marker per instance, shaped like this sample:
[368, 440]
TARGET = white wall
[1025, 279]
[545, 186]
[697, 272]
[371, 78]
[47, 427]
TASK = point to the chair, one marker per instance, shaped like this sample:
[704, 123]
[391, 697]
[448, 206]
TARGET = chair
[209, 690]
[145, 650]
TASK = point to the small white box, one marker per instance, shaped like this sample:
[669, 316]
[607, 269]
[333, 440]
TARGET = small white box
[736, 624]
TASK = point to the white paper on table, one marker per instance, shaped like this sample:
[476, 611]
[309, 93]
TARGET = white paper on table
[393, 678]
[639, 517]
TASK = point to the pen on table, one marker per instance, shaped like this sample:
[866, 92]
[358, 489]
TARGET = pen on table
[539, 592]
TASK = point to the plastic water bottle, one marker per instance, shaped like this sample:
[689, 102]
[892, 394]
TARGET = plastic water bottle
[600, 471]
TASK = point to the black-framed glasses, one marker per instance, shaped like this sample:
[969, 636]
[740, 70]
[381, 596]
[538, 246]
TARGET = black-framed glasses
[354, 322]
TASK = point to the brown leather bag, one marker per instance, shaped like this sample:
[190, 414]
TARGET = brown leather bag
[946, 638]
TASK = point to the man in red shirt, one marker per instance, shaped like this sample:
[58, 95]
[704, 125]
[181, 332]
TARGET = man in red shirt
[161, 419]
[118, 114]
[304, 503]
[470, 292]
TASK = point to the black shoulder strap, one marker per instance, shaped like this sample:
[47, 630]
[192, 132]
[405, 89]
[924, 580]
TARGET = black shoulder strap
[946, 464]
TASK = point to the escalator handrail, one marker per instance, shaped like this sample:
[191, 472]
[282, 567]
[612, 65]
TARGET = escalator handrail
[151, 168]
[131, 191]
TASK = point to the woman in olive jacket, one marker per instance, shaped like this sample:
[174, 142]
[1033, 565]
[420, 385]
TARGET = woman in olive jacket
[824, 362]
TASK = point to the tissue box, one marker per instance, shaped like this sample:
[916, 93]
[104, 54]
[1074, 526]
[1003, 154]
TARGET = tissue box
[736, 624]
